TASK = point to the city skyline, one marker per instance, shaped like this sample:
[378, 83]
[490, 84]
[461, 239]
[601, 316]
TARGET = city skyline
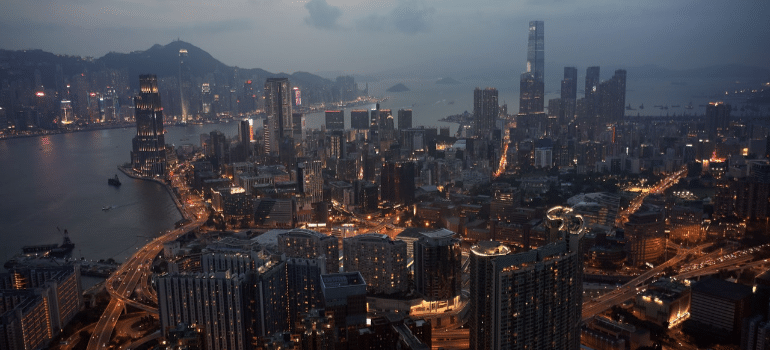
[601, 33]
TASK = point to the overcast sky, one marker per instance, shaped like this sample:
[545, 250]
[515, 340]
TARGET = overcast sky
[371, 36]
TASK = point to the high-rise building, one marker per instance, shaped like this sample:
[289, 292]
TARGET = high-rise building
[308, 244]
[309, 179]
[303, 279]
[717, 119]
[613, 98]
[592, 91]
[184, 86]
[380, 260]
[214, 301]
[359, 119]
[345, 296]
[531, 98]
[335, 120]
[404, 119]
[568, 95]
[526, 300]
[397, 181]
[148, 157]
[485, 111]
[278, 99]
[437, 263]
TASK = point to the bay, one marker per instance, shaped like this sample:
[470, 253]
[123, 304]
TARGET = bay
[60, 181]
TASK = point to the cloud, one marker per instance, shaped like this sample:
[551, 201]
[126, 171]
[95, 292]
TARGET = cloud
[408, 17]
[412, 17]
[322, 15]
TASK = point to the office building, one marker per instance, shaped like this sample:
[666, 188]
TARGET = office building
[397, 181]
[335, 120]
[404, 119]
[148, 157]
[278, 98]
[267, 302]
[526, 300]
[359, 119]
[308, 244]
[531, 98]
[645, 233]
[345, 296]
[24, 320]
[380, 260]
[568, 95]
[485, 111]
[437, 263]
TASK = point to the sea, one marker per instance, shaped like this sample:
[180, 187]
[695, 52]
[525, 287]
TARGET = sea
[57, 182]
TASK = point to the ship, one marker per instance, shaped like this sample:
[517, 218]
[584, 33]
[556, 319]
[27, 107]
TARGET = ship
[115, 181]
[53, 250]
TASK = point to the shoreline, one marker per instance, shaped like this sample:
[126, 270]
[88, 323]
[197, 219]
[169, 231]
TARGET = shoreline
[169, 190]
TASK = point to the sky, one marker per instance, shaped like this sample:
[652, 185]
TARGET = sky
[374, 36]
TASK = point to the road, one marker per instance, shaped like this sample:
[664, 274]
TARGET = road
[629, 289]
[661, 186]
[135, 272]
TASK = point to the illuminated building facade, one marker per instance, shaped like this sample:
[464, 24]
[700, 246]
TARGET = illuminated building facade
[309, 244]
[526, 300]
[645, 232]
[213, 301]
[278, 101]
[531, 98]
[437, 263]
[485, 111]
[148, 156]
[309, 179]
[380, 260]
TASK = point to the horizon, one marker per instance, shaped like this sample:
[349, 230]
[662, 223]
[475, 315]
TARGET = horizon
[322, 37]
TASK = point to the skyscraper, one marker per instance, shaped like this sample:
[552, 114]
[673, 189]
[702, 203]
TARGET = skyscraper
[359, 119]
[278, 110]
[149, 148]
[398, 182]
[184, 86]
[717, 119]
[485, 111]
[379, 259]
[592, 91]
[568, 94]
[309, 178]
[526, 300]
[531, 97]
[335, 120]
[613, 98]
[404, 119]
[437, 263]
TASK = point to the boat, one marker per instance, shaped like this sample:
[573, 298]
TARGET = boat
[53, 250]
[65, 249]
[106, 207]
[641, 106]
[115, 181]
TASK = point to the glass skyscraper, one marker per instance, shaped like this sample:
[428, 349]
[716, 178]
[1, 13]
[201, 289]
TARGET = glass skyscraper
[148, 156]
[532, 86]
